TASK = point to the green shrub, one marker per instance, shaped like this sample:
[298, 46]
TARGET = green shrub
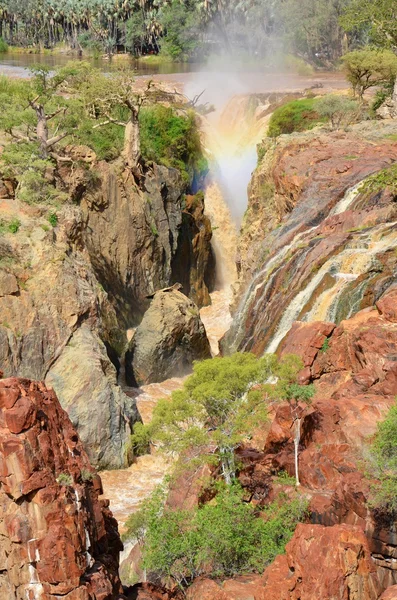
[297, 115]
[3, 45]
[339, 110]
[223, 538]
[14, 225]
[325, 345]
[171, 139]
[86, 475]
[52, 218]
[384, 464]
[64, 479]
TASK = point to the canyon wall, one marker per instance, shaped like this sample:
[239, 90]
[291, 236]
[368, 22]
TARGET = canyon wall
[74, 277]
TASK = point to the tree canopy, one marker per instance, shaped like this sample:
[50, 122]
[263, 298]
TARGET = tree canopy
[221, 403]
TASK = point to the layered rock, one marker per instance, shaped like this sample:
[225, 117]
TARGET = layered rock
[142, 240]
[170, 337]
[56, 538]
[317, 247]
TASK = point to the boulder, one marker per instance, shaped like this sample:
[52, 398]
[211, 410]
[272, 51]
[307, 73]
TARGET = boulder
[85, 382]
[57, 538]
[170, 337]
[390, 593]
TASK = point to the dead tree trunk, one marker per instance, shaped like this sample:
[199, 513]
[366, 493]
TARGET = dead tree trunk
[132, 143]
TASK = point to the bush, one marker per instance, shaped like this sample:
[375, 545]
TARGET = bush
[171, 139]
[298, 115]
[384, 464]
[3, 45]
[223, 538]
[14, 225]
[367, 68]
[64, 479]
[339, 110]
[53, 219]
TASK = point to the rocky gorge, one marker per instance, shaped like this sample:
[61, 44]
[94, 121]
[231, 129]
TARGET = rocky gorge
[118, 295]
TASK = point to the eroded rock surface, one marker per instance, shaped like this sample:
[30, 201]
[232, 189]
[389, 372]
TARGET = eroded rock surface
[317, 247]
[56, 538]
[170, 337]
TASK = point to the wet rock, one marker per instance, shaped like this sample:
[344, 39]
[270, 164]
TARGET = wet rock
[315, 248]
[85, 382]
[56, 537]
[170, 337]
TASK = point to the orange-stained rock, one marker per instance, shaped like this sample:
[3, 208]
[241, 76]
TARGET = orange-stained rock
[57, 540]
[387, 305]
[390, 593]
[321, 563]
[327, 563]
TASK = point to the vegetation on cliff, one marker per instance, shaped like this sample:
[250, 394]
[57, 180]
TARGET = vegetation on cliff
[223, 538]
[75, 104]
[219, 406]
[384, 463]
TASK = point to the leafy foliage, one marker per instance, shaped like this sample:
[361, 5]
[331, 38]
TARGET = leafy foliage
[171, 139]
[219, 406]
[223, 538]
[339, 110]
[367, 68]
[385, 179]
[384, 463]
[377, 18]
[298, 115]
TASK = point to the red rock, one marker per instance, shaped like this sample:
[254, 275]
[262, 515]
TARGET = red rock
[45, 532]
[390, 593]
[306, 339]
[387, 306]
[21, 416]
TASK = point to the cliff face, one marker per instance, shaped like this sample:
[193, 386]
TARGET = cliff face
[69, 289]
[317, 248]
[56, 538]
[141, 240]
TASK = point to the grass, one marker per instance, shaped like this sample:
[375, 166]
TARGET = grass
[298, 115]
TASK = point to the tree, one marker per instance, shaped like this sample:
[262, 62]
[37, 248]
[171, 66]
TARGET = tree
[367, 68]
[223, 538]
[219, 406]
[384, 463]
[114, 97]
[377, 17]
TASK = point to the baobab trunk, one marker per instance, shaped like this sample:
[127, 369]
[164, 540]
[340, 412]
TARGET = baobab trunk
[132, 144]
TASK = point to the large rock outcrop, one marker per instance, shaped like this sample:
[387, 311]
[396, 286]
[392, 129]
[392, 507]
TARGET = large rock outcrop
[56, 538]
[318, 249]
[69, 289]
[170, 337]
[142, 240]
[84, 377]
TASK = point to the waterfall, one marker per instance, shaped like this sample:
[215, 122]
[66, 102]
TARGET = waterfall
[343, 268]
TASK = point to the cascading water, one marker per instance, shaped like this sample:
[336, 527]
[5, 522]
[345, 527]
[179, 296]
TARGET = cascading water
[348, 265]
[34, 589]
